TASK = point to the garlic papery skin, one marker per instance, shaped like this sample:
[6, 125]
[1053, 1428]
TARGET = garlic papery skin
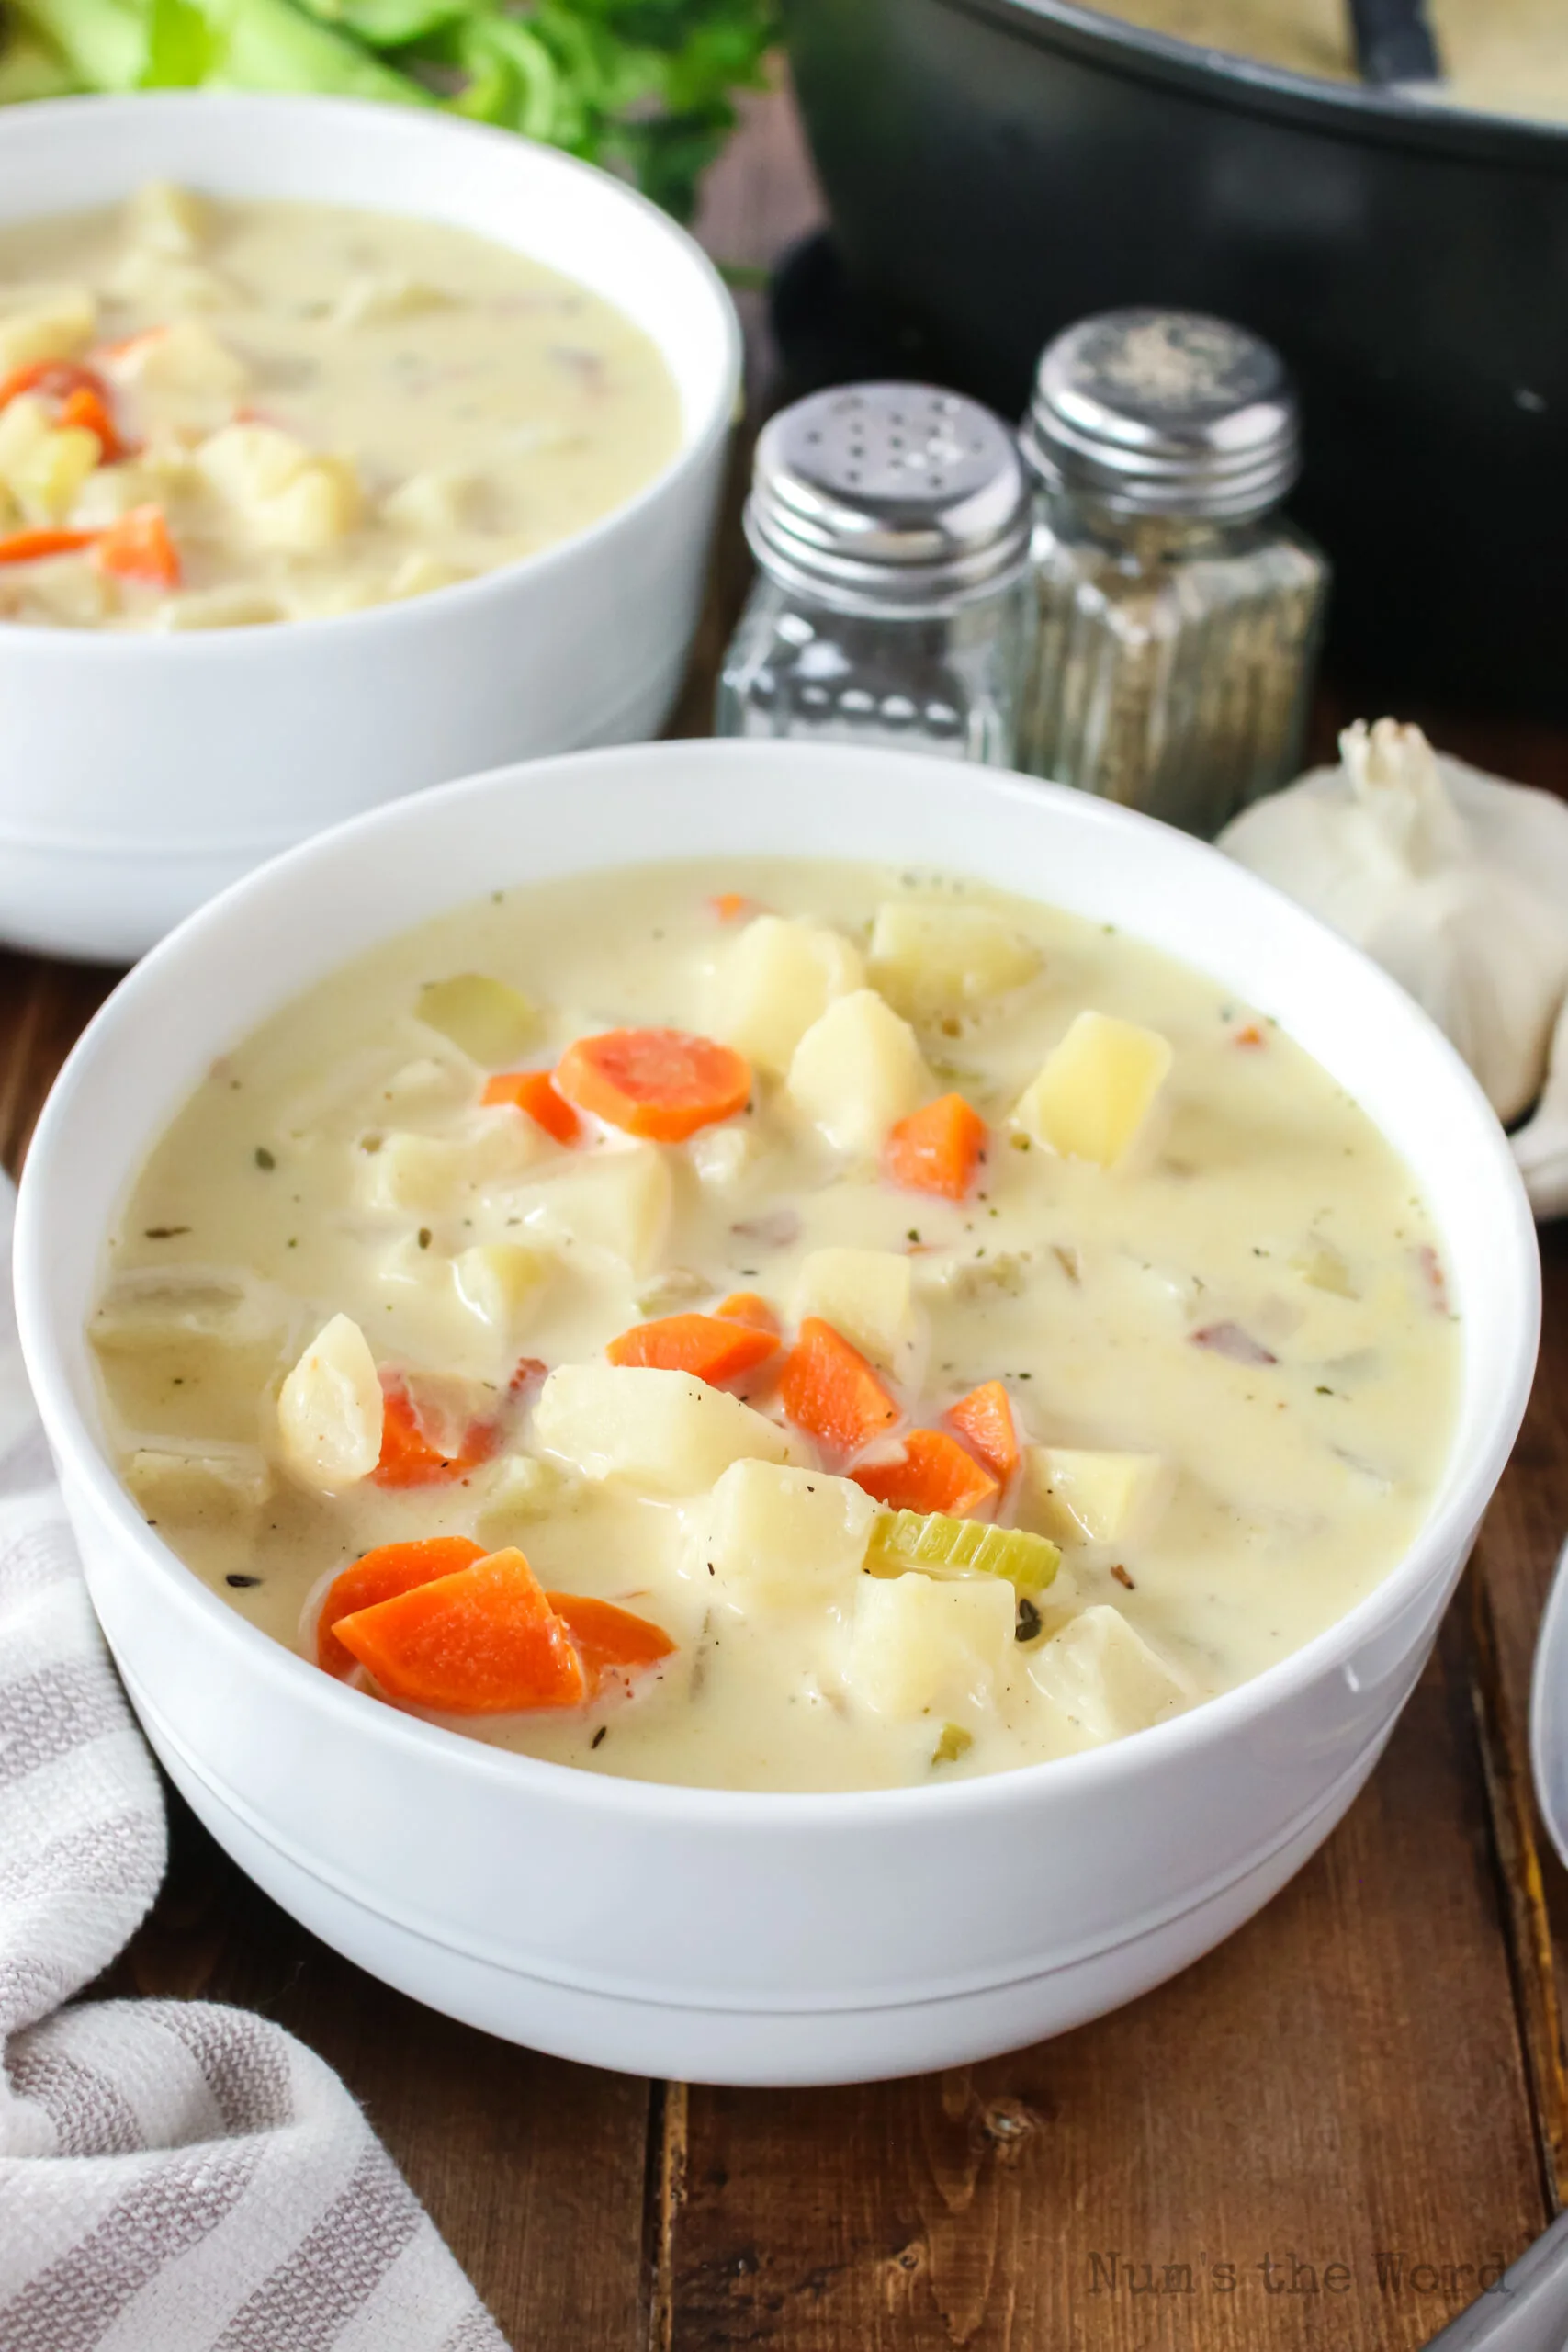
[1454, 881]
[1541, 1147]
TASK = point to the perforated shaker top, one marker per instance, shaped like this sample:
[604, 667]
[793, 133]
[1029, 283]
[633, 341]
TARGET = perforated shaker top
[888, 496]
[1164, 412]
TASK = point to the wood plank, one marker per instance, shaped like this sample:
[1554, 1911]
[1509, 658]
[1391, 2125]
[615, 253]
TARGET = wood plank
[1339, 2088]
[1514, 1557]
[533, 2170]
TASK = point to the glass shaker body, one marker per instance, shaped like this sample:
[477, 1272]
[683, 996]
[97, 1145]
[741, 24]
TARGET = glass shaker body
[1172, 659]
[944, 681]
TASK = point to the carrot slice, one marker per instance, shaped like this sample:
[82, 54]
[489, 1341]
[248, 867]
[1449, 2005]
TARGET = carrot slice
[482, 1641]
[936, 1149]
[827, 1388]
[609, 1639]
[29, 546]
[87, 406]
[58, 377]
[730, 905]
[935, 1474]
[983, 1420]
[408, 1458]
[381, 1576]
[712, 1347]
[534, 1090]
[661, 1083]
[747, 1306]
[138, 548]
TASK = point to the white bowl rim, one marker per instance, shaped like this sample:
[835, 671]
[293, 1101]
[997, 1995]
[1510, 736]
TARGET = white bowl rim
[1446, 1529]
[242, 643]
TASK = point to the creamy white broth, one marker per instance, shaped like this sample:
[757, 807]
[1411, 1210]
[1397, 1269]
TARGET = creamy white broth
[329, 408]
[1120, 1307]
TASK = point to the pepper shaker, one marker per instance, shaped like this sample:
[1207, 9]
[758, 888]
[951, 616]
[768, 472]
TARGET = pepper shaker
[890, 524]
[1176, 615]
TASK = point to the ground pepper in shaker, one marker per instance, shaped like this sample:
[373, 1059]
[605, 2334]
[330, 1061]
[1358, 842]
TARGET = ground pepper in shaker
[1176, 613]
[890, 524]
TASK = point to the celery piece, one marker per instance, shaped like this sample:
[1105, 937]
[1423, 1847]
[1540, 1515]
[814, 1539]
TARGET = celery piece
[102, 42]
[485, 1019]
[931, 1541]
[31, 67]
[954, 1742]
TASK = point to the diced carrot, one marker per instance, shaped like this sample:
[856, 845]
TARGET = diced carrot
[609, 1639]
[138, 546]
[712, 1347]
[730, 905]
[935, 1474]
[983, 1420]
[661, 1083]
[530, 1372]
[827, 1388]
[408, 1458]
[484, 1641]
[58, 377]
[936, 1149]
[30, 547]
[381, 1576]
[747, 1306]
[535, 1091]
[1251, 1036]
[87, 407]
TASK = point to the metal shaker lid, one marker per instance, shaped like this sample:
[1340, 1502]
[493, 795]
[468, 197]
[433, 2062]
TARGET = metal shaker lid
[888, 497]
[1153, 411]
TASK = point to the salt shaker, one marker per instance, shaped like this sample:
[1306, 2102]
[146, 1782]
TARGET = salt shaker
[890, 524]
[1176, 615]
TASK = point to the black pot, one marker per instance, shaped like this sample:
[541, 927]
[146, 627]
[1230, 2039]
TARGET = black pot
[997, 168]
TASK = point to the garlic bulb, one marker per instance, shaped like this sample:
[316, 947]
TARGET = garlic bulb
[1541, 1147]
[1454, 881]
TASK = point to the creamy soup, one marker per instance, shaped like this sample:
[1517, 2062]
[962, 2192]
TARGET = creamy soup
[217, 413]
[950, 1333]
[1506, 56]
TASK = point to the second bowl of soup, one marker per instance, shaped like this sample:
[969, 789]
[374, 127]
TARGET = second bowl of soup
[342, 449]
[764, 1387]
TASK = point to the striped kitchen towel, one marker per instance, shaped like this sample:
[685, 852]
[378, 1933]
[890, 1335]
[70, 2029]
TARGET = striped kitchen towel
[174, 2177]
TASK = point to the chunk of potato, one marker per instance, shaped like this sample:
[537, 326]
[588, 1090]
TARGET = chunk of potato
[1107, 1498]
[171, 1484]
[155, 1307]
[168, 285]
[419, 574]
[245, 464]
[857, 1070]
[238, 607]
[724, 1157]
[775, 980]
[663, 1431]
[317, 509]
[1105, 1677]
[935, 956]
[70, 591]
[497, 1281]
[186, 357]
[375, 296]
[521, 1490]
[927, 1645]
[433, 502]
[25, 423]
[869, 1296]
[169, 219]
[1097, 1090]
[430, 1175]
[485, 1017]
[330, 1410]
[773, 1534]
[616, 1202]
[44, 322]
[45, 480]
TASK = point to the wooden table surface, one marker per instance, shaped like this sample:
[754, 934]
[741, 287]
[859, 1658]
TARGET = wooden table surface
[1328, 2133]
